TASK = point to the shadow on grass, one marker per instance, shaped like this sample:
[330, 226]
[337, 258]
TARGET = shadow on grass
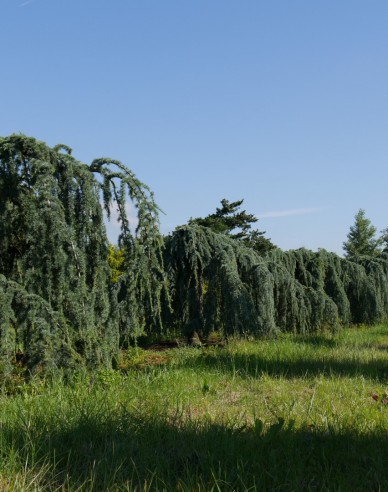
[128, 452]
[316, 341]
[373, 336]
[254, 365]
[383, 347]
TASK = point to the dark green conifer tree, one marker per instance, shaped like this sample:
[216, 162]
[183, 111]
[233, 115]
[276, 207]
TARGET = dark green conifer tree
[362, 241]
[237, 224]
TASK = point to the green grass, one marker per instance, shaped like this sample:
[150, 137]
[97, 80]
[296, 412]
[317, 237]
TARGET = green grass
[291, 414]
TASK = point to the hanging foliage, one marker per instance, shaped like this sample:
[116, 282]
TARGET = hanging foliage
[56, 292]
[222, 285]
[65, 300]
[219, 284]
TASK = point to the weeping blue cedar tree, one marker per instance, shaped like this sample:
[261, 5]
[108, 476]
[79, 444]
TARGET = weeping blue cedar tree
[58, 306]
[220, 284]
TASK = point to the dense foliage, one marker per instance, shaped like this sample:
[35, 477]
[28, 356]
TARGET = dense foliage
[219, 284]
[58, 305]
[67, 297]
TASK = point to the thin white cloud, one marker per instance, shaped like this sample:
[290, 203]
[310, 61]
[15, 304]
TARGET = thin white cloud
[289, 213]
[114, 216]
[113, 225]
[27, 2]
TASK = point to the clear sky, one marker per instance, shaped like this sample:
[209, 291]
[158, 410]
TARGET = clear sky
[283, 103]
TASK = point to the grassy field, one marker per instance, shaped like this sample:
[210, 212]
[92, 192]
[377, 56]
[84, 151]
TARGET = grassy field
[292, 414]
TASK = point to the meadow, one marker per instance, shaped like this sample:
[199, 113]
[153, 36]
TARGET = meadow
[292, 413]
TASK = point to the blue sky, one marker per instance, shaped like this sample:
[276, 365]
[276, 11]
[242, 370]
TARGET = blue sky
[282, 103]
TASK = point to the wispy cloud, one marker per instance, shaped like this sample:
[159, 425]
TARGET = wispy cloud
[113, 225]
[290, 212]
[131, 215]
[27, 2]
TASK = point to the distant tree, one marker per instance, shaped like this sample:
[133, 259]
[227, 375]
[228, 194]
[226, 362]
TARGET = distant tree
[229, 220]
[362, 239]
[116, 260]
[384, 240]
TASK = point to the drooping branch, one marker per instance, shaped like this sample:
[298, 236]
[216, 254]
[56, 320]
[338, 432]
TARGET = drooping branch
[222, 285]
[53, 244]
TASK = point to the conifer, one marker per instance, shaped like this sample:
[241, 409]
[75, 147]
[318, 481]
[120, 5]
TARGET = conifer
[58, 304]
[222, 285]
